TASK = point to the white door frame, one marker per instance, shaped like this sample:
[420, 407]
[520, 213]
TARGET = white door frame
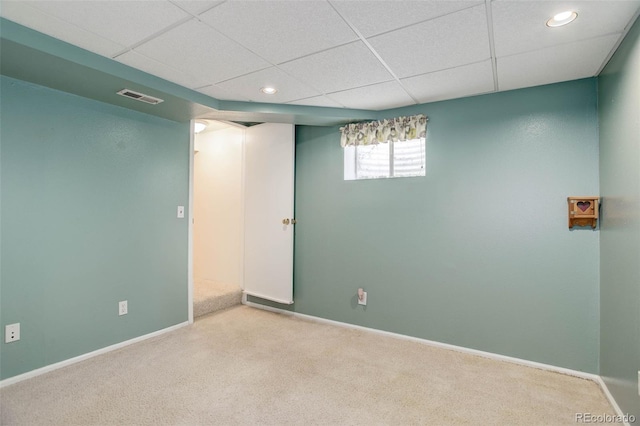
[190, 225]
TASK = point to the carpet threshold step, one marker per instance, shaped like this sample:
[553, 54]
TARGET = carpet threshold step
[211, 297]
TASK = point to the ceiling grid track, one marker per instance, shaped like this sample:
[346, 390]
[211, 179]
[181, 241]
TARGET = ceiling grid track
[568, 43]
[322, 92]
[615, 48]
[373, 51]
[166, 29]
[259, 55]
[492, 47]
[195, 15]
[152, 36]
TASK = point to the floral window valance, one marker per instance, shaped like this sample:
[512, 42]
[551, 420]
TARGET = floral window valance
[397, 130]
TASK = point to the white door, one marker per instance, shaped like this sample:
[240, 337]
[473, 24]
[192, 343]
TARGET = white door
[268, 188]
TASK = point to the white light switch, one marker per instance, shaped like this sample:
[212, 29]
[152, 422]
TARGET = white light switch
[180, 212]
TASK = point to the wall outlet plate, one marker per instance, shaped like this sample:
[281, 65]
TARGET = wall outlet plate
[12, 333]
[123, 309]
[363, 301]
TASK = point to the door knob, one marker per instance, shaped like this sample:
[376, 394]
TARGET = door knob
[285, 221]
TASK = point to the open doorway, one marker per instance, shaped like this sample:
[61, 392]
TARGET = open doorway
[218, 213]
[241, 236]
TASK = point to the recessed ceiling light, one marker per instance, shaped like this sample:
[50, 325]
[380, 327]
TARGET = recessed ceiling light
[562, 18]
[269, 90]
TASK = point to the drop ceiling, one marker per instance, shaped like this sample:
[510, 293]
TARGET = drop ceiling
[367, 55]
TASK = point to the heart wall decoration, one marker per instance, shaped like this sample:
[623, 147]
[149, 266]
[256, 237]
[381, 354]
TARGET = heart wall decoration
[583, 211]
[583, 205]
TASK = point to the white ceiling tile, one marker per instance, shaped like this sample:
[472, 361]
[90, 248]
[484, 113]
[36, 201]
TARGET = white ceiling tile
[220, 93]
[453, 83]
[344, 67]
[249, 86]
[376, 97]
[151, 66]
[439, 49]
[559, 63]
[196, 48]
[456, 39]
[124, 22]
[196, 6]
[520, 26]
[375, 17]
[321, 101]
[22, 13]
[281, 30]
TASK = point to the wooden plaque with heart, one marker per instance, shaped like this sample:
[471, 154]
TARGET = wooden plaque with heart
[583, 211]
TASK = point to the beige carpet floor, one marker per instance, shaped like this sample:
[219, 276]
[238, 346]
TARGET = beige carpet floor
[210, 296]
[244, 366]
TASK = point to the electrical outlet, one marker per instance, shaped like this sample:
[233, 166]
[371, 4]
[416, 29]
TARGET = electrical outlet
[122, 308]
[180, 212]
[12, 333]
[363, 300]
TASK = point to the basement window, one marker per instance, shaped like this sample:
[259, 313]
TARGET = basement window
[385, 160]
[385, 149]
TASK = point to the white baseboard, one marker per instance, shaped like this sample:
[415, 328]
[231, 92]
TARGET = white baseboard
[490, 355]
[66, 362]
[581, 374]
[612, 401]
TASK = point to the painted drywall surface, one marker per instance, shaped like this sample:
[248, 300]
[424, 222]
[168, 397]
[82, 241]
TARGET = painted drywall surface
[89, 198]
[478, 252]
[619, 110]
[218, 215]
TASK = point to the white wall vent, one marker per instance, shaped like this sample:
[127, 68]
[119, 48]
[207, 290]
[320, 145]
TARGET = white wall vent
[140, 97]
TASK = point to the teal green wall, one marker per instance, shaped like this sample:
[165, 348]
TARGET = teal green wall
[619, 109]
[89, 196]
[478, 252]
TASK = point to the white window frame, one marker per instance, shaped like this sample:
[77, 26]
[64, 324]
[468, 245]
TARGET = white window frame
[351, 164]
